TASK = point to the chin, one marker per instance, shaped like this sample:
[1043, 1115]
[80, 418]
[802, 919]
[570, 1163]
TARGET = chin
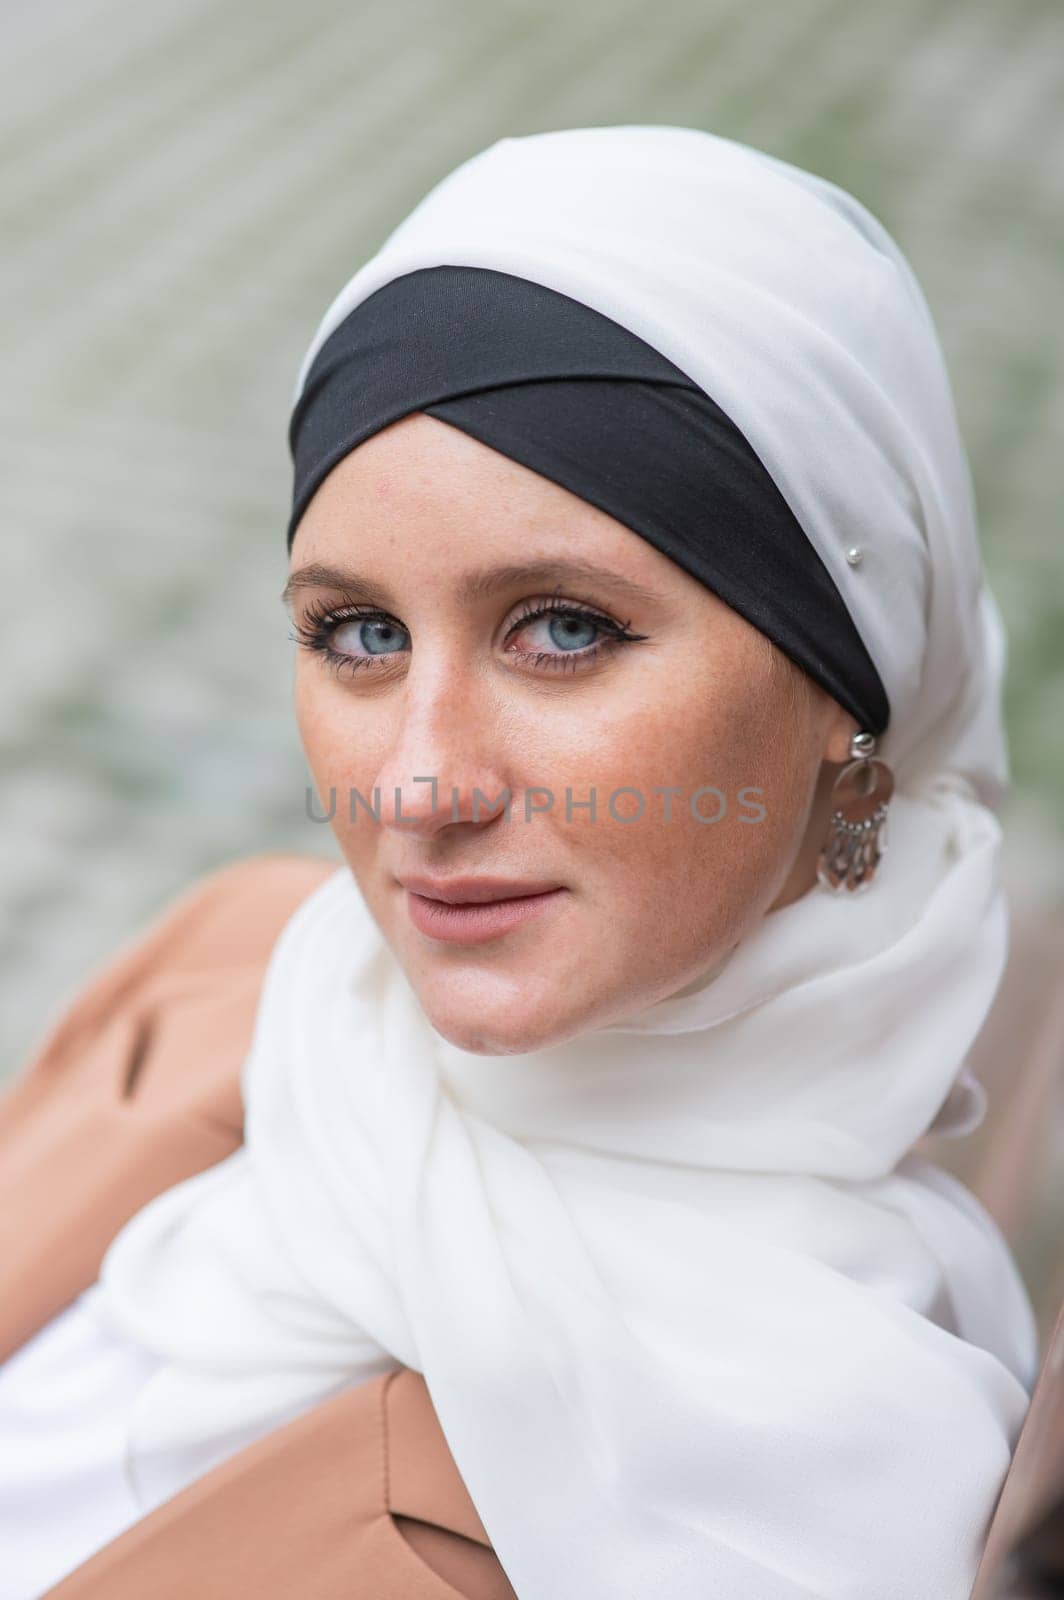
[494, 1016]
[484, 1034]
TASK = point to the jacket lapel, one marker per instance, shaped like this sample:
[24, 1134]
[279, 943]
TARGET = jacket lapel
[136, 1086]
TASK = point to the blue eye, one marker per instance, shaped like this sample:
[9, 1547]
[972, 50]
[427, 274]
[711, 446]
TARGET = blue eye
[378, 636]
[577, 634]
[569, 631]
[349, 640]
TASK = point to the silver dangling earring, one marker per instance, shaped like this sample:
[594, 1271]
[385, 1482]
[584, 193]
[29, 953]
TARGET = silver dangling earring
[856, 841]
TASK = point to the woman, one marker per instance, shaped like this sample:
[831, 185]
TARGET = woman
[635, 579]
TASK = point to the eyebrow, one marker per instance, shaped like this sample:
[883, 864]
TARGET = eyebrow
[478, 585]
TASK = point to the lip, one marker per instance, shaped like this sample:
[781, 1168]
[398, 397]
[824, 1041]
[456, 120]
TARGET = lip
[468, 921]
[474, 891]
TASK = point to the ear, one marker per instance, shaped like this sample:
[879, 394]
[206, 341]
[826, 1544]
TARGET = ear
[839, 728]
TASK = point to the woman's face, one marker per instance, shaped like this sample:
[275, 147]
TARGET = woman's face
[664, 764]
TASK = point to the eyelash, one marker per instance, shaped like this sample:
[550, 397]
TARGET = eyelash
[312, 633]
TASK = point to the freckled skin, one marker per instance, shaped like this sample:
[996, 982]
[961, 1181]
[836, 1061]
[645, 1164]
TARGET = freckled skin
[651, 907]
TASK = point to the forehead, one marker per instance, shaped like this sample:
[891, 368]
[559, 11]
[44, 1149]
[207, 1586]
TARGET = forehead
[426, 492]
[421, 466]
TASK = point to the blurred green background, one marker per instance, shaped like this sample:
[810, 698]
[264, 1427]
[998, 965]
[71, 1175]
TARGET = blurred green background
[184, 188]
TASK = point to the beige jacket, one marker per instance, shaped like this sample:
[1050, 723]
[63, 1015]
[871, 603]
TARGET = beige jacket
[137, 1087]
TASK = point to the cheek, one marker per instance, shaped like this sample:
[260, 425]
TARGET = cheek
[700, 866]
[317, 730]
[341, 741]
[340, 749]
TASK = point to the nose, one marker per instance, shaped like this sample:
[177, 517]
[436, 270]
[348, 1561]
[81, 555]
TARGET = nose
[445, 766]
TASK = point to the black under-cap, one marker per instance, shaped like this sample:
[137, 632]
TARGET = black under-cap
[559, 387]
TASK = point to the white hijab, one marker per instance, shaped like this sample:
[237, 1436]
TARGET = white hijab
[693, 1319]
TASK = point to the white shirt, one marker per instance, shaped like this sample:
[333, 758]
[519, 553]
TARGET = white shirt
[64, 1398]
